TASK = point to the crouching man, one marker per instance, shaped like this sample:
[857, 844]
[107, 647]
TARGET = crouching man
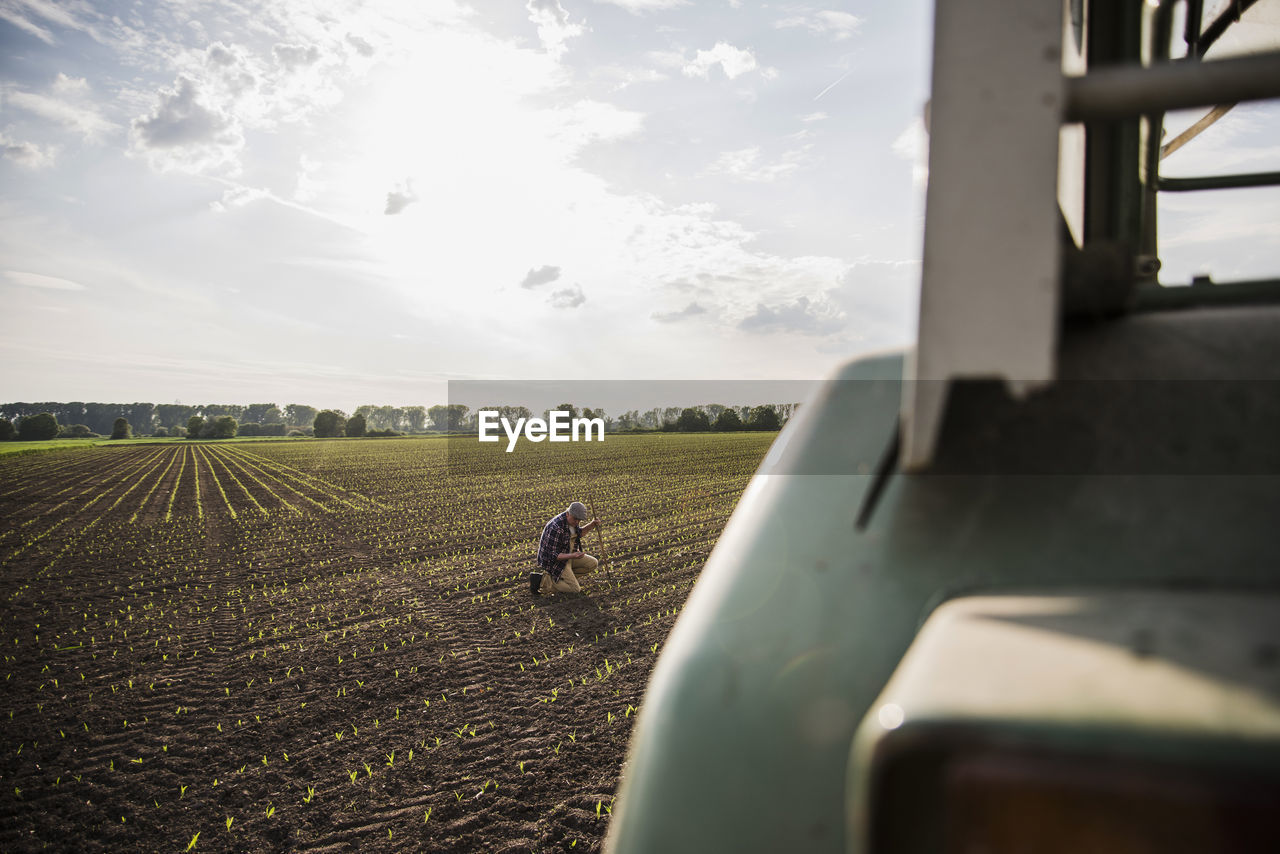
[560, 551]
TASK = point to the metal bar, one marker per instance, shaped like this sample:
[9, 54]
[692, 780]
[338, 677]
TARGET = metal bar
[1161, 298]
[1214, 31]
[1219, 182]
[1129, 91]
[1195, 130]
[1191, 28]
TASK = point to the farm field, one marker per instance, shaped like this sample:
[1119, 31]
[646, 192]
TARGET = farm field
[330, 645]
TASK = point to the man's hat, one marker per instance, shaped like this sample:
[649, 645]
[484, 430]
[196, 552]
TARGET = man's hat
[578, 510]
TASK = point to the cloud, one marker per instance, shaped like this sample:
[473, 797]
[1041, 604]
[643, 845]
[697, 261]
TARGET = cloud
[15, 17]
[801, 315]
[184, 132]
[293, 56]
[567, 298]
[400, 198]
[734, 62]
[542, 276]
[690, 310]
[814, 117]
[238, 197]
[554, 28]
[912, 145]
[69, 103]
[361, 45]
[637, 7]
[21, 14]
[881, 300]
[37, 280]
[744, 164]
[28, 155]
[839, 25]
[219, 54]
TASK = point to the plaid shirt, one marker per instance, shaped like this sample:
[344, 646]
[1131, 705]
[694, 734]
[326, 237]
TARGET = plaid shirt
[557, 538]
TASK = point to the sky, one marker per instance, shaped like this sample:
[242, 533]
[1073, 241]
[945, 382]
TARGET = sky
[336, 202]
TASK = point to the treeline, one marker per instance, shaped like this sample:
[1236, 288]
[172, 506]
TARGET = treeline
[42, 421]
[690, 419]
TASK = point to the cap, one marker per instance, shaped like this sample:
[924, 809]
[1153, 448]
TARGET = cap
[578, 510]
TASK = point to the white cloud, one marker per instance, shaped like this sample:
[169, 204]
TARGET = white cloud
[294, 56]
[38, 280]
[22, 22]
[567, 297]
[839, 25]
[744, 164]
[622, 76]
[881, 300]
[802, 315]
[814, 117]
[238, 197]
[21, 14]
[28, 155]
[554, 27]
[673, 59]
[690, 310]
[400, 198]
[733, 61]
[362, 46]
[912, 145]
[638, 6]
[184, 132]
[69, 104]
[307, 186]
[542, 276]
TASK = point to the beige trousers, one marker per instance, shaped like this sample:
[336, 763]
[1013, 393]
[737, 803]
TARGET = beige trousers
[568, 582]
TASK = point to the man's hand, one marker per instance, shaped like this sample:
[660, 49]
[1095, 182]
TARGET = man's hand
[577, 555]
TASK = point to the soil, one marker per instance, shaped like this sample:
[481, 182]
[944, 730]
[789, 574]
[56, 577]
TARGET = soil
[323, 679]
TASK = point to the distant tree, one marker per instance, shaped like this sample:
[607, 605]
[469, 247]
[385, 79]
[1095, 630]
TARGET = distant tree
[141, 417]
[356, 425]
[222, 427]
[121, 429]
[629, 420]
[714, 410]
[588, 412]
[329, 424]
[38, 428]
[415, 419]
[728, 421]
[173, 414]
[451, 418]
[213, 410]
[693, 420]
[6, 430]
[569, 408]
[249, 428]
[670, 415]
[300, 415]
[161, 432]
[195, 426]
[296, 433]
[763, 418]
[277, 429]
[261, 413]
[76, 431]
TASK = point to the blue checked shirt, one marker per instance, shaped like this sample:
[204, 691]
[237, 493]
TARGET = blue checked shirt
[557, 538]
